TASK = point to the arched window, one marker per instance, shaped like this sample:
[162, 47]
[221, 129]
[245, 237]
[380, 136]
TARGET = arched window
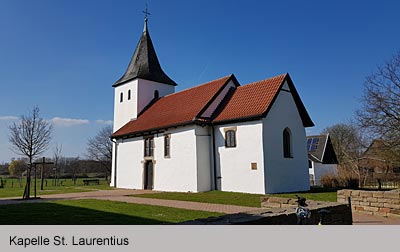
[121, 97]
[230, 138]
[156, 94]
[129, 94]
[287, 143]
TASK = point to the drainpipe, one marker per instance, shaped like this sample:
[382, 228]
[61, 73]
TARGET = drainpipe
[115, 161]
[214, 160]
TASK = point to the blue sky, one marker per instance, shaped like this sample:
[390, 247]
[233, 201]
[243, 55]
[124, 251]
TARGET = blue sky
[64, 55]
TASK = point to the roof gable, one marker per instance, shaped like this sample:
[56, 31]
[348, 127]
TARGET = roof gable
[254, 100]
[320, 149]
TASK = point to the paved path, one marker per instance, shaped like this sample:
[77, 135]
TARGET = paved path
[125, 195]
[367, 219]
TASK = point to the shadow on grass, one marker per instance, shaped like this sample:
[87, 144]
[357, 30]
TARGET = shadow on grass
[93, 212]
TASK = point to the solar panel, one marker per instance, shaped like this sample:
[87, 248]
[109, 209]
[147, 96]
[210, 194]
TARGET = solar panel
[309, 143]
[312, 144]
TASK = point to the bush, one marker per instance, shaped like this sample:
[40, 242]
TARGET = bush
[330, 181]
[339, 181]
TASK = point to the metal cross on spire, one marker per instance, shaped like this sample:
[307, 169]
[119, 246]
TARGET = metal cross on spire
[146, 12]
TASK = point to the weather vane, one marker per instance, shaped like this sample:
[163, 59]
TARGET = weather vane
[146, 12]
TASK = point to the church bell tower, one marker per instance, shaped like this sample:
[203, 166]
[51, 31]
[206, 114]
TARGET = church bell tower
[143, 82]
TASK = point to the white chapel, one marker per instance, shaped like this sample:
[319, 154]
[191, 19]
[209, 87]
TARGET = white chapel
[219, 135]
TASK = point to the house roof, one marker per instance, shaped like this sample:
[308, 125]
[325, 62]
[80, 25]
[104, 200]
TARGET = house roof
[243, 103]
[320, 149]
[254, 100]
[144, 63]
[175, 109]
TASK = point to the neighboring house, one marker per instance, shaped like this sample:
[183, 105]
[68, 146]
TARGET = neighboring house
[215, 136]
[377, 162]
[321, 157]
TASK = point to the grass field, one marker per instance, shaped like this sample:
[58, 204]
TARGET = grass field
[13, 188]
[216, 197]
[94, 212]
[239, 199]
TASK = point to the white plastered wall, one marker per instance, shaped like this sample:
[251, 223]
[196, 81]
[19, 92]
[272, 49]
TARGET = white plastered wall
[285, 174]
[146, 90]
[234, 164]
[142, 93]
[178, 172]
[127, 109]
[129, 165]
[182, 171]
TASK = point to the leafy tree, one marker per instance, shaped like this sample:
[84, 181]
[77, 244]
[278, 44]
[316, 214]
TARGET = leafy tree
[100, 148]
[30, 137]
[16, 168]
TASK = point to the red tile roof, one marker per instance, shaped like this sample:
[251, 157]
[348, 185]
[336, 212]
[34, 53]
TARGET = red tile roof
[174, 109]
[251, 100]
[247, 102]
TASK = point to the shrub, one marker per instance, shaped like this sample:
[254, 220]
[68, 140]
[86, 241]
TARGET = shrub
[329, 181]
[348, 181]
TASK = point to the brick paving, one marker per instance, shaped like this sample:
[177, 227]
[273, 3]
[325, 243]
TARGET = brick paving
[126, 195]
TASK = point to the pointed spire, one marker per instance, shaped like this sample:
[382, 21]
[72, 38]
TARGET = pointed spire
[145, 25]
[144, 63]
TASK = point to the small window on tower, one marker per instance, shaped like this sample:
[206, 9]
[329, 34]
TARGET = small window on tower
[121, 97]
[129, 94]
[156, 94]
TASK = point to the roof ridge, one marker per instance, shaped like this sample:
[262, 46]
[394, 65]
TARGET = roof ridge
[198, 86]
[268, 79]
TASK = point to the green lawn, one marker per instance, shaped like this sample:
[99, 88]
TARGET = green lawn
[217, 197]
[94, 212]
[14, 189]
[239, 199]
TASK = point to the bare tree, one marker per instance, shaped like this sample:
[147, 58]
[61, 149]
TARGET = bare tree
[348, 144]
[380, 113]
[100, 148]
[30, 137]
